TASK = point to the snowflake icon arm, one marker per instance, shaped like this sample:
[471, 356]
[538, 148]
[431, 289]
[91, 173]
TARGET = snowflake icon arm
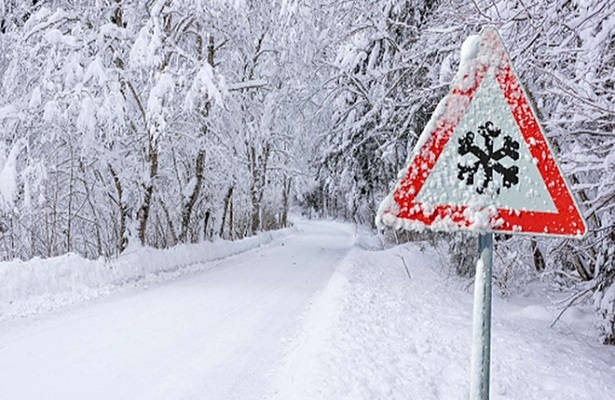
[509, 149]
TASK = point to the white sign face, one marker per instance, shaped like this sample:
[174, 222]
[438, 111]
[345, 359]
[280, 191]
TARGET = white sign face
[496, 147]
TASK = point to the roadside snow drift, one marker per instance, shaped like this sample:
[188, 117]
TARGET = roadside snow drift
[29, 287]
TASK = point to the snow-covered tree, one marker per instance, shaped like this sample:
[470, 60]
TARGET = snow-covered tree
[384, 87]
[128, 118]
[395, 61]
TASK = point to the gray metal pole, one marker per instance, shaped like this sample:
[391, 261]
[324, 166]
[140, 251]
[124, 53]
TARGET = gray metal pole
[481, 333]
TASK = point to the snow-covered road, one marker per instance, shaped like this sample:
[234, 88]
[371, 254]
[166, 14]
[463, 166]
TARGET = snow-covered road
[319, 312]
[218, 334]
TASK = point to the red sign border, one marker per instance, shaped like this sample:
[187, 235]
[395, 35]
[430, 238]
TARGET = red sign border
[566, 221]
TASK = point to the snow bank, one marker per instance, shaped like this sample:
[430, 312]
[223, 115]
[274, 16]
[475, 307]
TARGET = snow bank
[29, 287]
[381, 332]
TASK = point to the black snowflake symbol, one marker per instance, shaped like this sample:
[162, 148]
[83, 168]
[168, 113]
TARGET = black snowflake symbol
[488, 159]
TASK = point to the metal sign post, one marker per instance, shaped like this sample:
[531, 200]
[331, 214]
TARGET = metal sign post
[481, 333]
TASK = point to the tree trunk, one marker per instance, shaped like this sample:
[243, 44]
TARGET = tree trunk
[71, 188]
[258, 167]
[200, 158]
[118, 15]
[256, 215]
[123, 211]
[206, 223]
[227, 206]
[148, 192]
[231, 225]
[96, 219]
[539, 261]
[189, 205]
[170, 225]
[285, 201]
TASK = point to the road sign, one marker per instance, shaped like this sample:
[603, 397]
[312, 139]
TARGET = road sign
[483, 162]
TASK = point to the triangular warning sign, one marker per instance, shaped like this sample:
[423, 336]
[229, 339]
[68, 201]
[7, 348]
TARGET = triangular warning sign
[482, 162]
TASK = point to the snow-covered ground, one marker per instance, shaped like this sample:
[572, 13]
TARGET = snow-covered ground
[314, 312]
[390, 336]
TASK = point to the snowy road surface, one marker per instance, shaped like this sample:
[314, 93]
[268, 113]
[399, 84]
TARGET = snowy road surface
[218, 334]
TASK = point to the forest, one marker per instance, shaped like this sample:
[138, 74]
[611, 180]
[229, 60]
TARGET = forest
[158, 122]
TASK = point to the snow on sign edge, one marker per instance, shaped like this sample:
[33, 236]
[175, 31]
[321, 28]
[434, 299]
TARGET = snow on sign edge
[479, 55]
